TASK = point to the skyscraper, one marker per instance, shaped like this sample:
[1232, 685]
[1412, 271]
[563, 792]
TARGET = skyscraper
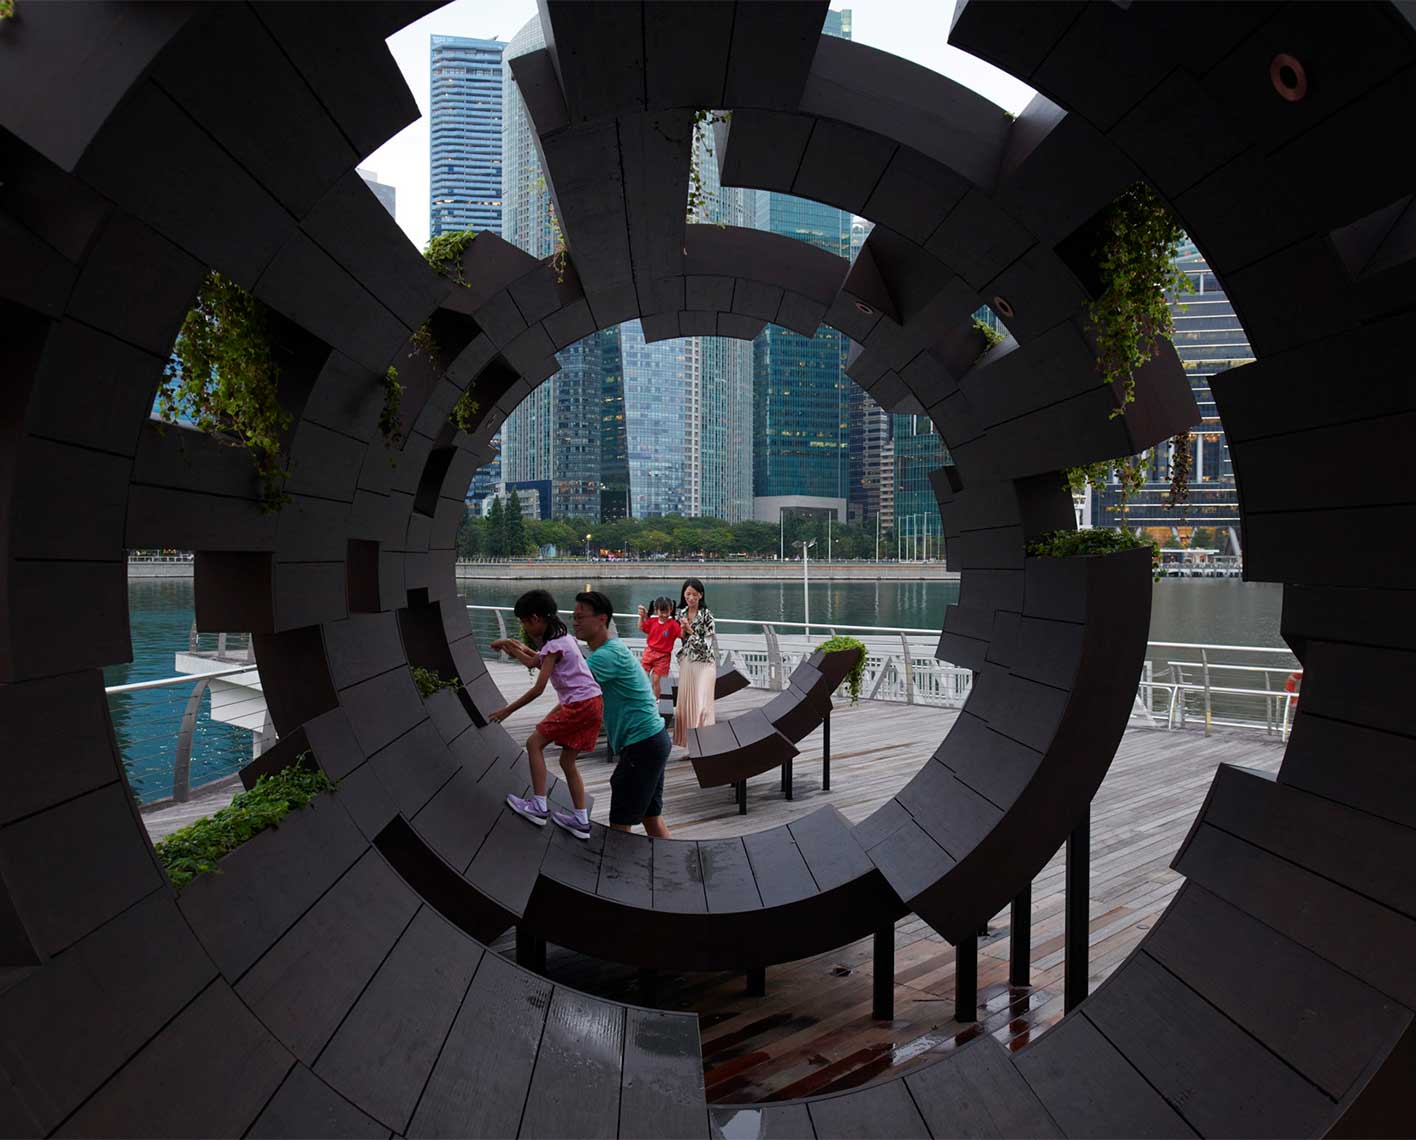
[465, 135]
[1208, 339]
[387, 196]
[800, 423]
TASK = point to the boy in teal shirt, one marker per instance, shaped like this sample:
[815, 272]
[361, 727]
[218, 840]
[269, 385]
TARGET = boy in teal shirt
[633, 726]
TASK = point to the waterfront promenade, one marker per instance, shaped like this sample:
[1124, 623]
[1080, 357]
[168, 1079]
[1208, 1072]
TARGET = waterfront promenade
[813, 1031]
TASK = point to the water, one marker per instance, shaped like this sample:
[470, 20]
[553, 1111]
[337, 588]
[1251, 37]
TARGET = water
[1219, 611]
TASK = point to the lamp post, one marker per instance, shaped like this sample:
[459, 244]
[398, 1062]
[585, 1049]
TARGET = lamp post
[587, 548]
[806, 582]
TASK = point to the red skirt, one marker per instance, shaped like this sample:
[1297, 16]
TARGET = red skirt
[576, 725]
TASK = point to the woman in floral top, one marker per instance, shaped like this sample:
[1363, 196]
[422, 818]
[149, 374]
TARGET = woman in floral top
[698, 662]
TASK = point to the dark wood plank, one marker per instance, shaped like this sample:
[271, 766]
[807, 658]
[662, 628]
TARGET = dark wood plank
[381, 1056]
[662, 1091]
[978, 1092]
[1224, 1081]
[208, 1073]
[829, 847]
[575, 862]
[910, 860]
[307, 982]
[305, 1106]
[1091, 1090]
[506, 865]
[767, 1122]
[728, 883]
[951, 813]
[781, 872]
[884, 1110]
[575, 1089]
[627, 869]
[478, 1086]
[711, 740]
[455, 822]
[678, 877]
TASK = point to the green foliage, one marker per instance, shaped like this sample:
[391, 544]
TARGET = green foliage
[990, 334]
[699, 199]
[857, 673]
[444, 254]
[430, 681]
[388, 418]
[7, 9]
[1084, 543]
[514, 526]
[464, 412]
[195, 849]
[223, 377]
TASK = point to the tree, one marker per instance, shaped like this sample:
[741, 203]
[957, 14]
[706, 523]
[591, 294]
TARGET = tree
[496, 529]
[471, 537]
[654, 542]
[515, 525]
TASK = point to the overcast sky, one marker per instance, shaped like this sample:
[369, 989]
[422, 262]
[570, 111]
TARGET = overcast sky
[914, 29]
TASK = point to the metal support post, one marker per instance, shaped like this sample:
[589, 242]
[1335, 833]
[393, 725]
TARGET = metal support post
[787, 779]
[1020, 939]
[1076, 922]
[742, 797]
[826, 752]
[757, 982]
[530, 951]
[649, 987]
[883, 1005]
[966, 979]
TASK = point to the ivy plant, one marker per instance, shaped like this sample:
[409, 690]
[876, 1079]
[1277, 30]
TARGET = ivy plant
[1131, 317]
[195, 849]
[430, 681]
[991, 336]
[388, 417]
[222, 377]
[444, 253]
[1093, 541]
[699, 198]
[856, 676]
[7, 9]
[464, 412]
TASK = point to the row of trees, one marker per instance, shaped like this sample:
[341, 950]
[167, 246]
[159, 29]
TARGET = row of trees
[505, 534]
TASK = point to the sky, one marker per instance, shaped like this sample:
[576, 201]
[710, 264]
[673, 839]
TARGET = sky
[917, 30]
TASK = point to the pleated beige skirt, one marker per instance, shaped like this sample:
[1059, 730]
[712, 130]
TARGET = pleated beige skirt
[695, 698]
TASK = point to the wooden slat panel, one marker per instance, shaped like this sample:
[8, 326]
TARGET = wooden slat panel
[978, 1092]
[478, 1086]
[662, 1091]
[306, 1106]
[575, 1089]
[575, 862]
[506, 866]
[954, 815]
[728, 882]
[1224, 1081]
[1091, 1090]
[766, 1122]
[781, 872]
[627, 869]
[455, 822]
[678, 878]
[381, 1056]
[829, 847]
[885, 1110]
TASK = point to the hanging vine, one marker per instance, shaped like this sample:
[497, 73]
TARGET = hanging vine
[700, 199]
[7, 9]
[1131, 317]
[222, 377]
[388, 417]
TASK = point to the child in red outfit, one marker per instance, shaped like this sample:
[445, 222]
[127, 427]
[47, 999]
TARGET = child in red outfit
[660, 632]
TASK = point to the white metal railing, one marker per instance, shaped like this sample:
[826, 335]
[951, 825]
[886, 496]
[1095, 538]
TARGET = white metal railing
[160, 727]
[1181, 683]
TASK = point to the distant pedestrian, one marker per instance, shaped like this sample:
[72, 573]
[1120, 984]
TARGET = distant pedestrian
[574, 723]
[698, 662]
[660, 631]
[633, 726]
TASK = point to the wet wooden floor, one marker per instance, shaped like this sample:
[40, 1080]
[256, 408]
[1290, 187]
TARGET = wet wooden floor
[813, 1031]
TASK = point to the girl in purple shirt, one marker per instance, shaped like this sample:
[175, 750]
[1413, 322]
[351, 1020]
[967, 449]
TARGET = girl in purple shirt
[574, 723]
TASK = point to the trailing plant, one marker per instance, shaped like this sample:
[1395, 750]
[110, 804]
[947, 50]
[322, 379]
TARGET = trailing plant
[195, 849]
[464, 412]
[444, 254]
[222, 377]
[429, 681]
[991, 335]
[856, 676]
[1131, 316]
[1093, 541]
[1180, 461]
[388, 418]
[7, 9]
[560, 249]
[699, 198]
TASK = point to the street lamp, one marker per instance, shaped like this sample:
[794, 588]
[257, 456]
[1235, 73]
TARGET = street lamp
[805, 582]
[587, 548]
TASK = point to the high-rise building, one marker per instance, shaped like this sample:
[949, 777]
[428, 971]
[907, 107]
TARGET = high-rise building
[800, 411]
[1208, 339]
[465, 135]
[387, 196]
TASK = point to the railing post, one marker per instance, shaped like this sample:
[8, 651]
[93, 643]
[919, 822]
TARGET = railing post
[1076, 920]
[501, 626]
[220, 645]
[1020, 939]
[182, 761]
[1205, 668]
[909, 670]
[774, 659]
[192, 637]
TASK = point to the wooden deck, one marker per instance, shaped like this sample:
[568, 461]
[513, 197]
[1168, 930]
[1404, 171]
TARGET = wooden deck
[813, 1032]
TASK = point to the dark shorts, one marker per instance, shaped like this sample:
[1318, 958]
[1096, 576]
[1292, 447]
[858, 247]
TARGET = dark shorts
[637, 785]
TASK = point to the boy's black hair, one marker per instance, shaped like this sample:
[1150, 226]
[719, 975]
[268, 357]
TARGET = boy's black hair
[662, 603]
[702, 593]
[598, 603]
[539, 603]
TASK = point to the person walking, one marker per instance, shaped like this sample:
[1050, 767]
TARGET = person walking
[698, 662]
[633, 727]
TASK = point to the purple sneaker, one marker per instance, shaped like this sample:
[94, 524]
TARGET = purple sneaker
[526, 808]
[569, 821]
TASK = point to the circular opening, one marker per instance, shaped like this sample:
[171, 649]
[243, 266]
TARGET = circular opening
[862, 307]
[1002, 308]
[1288, 77]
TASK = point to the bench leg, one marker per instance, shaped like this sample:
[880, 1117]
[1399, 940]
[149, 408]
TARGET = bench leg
[742, 797]
[1075, 923]
[649, 987]
[787, 778]
[966, 980]
[1020, 939]
[883, 1004]
[530, 951]
[826, 753]
[757, 982]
